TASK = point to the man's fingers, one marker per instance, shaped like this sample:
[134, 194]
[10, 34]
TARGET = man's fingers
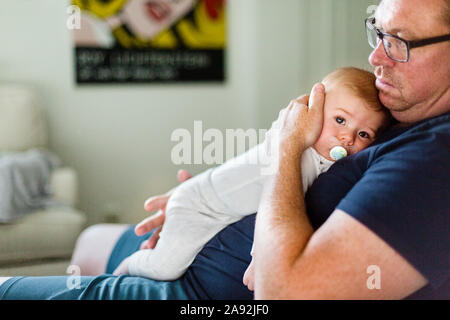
[150, 243]
[156, 203]
[183, 175]
[317, 98]
[149, 223]
[248, 280]
[144, 245]
[154, 239]
[303, 99]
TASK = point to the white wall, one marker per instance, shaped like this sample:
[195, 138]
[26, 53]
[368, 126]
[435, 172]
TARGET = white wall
[300, 42]
[118, 137]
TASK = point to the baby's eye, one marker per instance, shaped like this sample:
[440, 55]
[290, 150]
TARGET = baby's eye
[364, 135]
[340, 120]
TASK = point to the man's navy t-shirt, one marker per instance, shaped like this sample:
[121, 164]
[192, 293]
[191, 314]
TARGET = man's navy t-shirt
[399, 188]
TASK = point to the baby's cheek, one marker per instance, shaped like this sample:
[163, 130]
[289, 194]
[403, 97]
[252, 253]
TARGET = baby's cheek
[324, 134]
[361, 146]
[327, 137]
[319, 144]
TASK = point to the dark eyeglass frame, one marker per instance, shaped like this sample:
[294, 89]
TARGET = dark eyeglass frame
[409, 44]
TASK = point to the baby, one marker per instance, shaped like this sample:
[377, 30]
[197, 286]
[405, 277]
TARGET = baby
[202, 206]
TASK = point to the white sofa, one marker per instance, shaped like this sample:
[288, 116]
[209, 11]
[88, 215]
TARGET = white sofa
[40, 243]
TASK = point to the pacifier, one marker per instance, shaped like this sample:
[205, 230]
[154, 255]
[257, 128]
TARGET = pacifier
[337, 153]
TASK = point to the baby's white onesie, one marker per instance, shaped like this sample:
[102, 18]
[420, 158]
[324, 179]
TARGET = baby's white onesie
[205, 204]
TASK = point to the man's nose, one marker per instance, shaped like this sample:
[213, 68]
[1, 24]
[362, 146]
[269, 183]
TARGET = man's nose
[378, 57]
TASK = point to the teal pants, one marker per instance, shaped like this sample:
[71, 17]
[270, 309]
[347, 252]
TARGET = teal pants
[102, 287]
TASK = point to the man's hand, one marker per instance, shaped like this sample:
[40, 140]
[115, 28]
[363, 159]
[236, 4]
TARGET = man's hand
[298, 125]
[249, 276]
[157, 220]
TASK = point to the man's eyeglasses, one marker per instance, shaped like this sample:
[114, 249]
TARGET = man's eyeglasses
[395, 47]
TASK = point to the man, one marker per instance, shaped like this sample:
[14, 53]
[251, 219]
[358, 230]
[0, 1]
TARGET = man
[377, 223]
[405, 244]
[384, 222]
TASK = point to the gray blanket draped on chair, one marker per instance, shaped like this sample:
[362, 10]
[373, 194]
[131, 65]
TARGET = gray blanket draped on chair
[25, 182]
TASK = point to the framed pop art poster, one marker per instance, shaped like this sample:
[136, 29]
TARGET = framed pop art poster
[146, 41]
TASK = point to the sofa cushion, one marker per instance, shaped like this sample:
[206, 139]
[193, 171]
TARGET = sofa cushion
[22, 121]
[50, 233]
[45, 267]
[64, 185]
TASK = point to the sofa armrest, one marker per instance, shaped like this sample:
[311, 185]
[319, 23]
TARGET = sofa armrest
[64, 185]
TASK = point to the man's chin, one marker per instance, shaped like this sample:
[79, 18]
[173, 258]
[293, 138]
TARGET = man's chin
[396, 106]
[399, 111]
[391, 102]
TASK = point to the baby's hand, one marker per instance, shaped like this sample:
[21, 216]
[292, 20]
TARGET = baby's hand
[249, 277]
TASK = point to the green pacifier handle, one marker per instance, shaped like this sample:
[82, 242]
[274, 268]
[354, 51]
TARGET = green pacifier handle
[337, 153]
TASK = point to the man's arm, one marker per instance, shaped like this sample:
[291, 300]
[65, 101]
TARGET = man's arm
[332, 263]
[294, 262]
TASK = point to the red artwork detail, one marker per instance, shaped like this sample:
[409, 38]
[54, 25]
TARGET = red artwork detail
[158, 10]
[213, 7]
